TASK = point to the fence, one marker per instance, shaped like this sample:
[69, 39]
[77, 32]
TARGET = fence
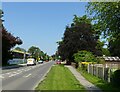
[103, 71]
[17, 61]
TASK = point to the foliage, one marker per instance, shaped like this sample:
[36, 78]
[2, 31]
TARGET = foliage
[8, 42]
[56, 56]
[79, 36]
[116, 78]
[37, 53]
[105, 52]
[34, 51]
[84, 56]
[100, 60]
[106, 17]
[1, 15]
[99, 45]
[103, 85]
[114, 46]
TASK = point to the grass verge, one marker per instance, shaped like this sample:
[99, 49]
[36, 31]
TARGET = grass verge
[60, 78]
[106, 87]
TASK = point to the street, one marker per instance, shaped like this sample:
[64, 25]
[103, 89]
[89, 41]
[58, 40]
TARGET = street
[24, 78]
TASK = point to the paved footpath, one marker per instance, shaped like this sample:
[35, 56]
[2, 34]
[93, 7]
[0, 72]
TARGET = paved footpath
[89, 86]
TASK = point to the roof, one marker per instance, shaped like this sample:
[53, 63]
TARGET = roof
[111, 58]
[20, 51]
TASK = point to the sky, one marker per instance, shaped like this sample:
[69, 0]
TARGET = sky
[40, 24]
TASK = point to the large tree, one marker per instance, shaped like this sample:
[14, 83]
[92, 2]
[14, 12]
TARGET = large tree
[34, 51]
[106, 17]
[79, 36]
[37, 53]
[8, 42]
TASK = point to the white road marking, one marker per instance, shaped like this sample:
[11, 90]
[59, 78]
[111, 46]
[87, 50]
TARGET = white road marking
[8, 73]
[1, 76]
[12, 75]
[14, 72]
[27, 75]
[19, 70]
[27, 69]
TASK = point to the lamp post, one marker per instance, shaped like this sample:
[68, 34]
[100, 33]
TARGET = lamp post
[24, 56]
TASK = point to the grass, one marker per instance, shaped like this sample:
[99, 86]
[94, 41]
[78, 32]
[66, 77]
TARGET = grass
[106, 87]
[60, 78]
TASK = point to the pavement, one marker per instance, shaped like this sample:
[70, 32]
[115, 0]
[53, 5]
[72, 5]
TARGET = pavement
[89, 86]
[24, 78]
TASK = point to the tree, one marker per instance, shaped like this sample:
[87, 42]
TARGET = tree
[79, 36]
[34, 51]
[8, 42]
[106, 16]
[37, 53]
[105, 52]
[1, 15]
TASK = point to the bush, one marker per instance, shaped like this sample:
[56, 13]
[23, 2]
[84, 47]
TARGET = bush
[115, 80]
[100, 61]
[76, 65]
[84, 67]
[84, 56]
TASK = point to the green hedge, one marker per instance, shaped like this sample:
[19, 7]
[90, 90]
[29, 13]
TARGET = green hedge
[115, 80]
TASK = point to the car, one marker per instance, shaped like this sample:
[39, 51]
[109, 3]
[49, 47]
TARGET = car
[58, 62]
[31, 61]
[40, 62]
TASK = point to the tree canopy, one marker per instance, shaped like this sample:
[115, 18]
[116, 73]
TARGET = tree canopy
[79, 36]
[8, 42]
[37, 53]
[106, 16]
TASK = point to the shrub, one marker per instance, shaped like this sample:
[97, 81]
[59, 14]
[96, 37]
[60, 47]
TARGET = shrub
[84, 56]
[116, 78]
[100, 61]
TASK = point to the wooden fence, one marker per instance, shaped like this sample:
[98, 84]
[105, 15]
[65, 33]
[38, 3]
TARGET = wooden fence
[103, 71]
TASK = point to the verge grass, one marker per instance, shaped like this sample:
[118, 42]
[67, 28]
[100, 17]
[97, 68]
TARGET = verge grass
[60, 78]
[103, 85]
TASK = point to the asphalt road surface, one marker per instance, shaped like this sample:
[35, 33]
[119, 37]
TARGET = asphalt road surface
[24, 78]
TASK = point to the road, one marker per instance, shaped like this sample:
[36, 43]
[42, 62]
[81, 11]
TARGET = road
[24, 78]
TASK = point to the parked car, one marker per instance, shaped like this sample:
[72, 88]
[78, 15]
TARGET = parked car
[40, 62]
[58, 62]
[31, 61]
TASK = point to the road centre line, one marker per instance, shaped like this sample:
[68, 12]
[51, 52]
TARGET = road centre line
[27, 75]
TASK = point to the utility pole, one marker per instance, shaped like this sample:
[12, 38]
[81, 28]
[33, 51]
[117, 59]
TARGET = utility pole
[24, 56]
